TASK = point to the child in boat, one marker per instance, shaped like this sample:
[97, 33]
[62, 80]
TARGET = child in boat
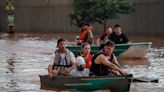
[80, 70]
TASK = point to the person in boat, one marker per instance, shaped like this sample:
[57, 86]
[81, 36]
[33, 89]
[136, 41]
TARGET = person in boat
[105, 62]
[62, 61]
[118, 36]
[86, 34]
[104, 37]
[80, 70]
[86, 54]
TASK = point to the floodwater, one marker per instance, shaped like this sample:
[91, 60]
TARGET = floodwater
[23, 57]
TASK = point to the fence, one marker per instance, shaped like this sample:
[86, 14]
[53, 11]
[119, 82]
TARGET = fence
[53, 16]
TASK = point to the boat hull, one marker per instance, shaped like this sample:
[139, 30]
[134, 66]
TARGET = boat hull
[114, 84]
[129, 50]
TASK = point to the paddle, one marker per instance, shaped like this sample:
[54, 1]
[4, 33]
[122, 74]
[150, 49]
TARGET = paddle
[145, 79]
[141, 79]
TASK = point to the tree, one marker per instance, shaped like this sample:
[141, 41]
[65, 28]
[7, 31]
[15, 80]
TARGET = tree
[91, 11]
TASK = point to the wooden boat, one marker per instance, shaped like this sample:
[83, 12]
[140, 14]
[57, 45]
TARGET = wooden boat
[129, 50]
[112, 83]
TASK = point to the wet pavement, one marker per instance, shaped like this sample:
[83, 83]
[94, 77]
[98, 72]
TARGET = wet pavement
[23, 57]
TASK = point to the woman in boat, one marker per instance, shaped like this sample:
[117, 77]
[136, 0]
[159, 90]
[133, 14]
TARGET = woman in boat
[62, 61]
[105, 62]
[86, 54]
[80, 70]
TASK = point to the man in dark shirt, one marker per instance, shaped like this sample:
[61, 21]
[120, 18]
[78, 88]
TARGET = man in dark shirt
[117, 36]
[105, 62]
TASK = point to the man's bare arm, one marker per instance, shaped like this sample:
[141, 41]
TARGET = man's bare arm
[103, 60]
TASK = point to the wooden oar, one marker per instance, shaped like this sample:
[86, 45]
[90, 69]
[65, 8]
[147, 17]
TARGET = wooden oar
[142, 79]
[145, 79]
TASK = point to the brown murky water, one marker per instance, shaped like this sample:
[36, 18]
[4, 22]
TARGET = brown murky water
[25, 56]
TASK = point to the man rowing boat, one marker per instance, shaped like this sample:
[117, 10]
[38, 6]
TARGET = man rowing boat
[104, 62]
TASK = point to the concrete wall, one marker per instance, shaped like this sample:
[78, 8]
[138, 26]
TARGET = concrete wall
[52, 16]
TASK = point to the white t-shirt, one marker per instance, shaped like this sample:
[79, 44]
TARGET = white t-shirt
[63, 61]
[77, 73]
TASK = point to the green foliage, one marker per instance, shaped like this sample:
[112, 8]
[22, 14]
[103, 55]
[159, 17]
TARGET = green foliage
[82, 12]
[91, 11]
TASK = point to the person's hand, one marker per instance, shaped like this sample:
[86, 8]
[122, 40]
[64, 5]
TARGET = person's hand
[66, 71]
[123, 72]
[80, 41]
[75, 43]
[50, 73]
[116, 72]
[53, 73]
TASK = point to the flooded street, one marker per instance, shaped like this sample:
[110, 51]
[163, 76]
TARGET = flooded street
[23, 57]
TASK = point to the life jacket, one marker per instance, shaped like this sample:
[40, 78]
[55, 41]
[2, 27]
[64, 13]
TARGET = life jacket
[58, 60]
[100, 69]
[83, 35]
[88, 61]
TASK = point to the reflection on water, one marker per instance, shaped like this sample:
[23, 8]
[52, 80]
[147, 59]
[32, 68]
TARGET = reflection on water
[25, 56]
[11, 62]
